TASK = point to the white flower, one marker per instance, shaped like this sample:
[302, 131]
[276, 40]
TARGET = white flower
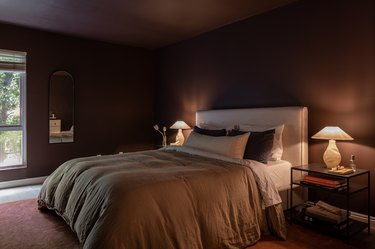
[156, 127]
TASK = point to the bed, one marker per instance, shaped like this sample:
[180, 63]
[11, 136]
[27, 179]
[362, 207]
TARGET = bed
[179, 197]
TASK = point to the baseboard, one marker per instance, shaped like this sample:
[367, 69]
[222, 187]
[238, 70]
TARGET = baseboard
[23, 182]
[362, 218]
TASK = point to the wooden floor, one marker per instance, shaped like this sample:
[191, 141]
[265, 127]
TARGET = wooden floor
[298, 236]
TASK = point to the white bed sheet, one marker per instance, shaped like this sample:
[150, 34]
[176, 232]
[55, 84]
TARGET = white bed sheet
[279, 172]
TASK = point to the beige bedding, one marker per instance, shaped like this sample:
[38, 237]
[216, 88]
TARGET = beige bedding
[159, 199]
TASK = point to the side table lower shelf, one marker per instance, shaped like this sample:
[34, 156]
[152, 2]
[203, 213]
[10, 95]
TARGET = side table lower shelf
[351, 228]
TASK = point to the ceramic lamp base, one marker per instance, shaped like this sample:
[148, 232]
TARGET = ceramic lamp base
[180, 139]
[332, 157]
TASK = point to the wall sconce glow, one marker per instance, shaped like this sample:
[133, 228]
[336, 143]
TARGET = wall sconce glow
[332, 157]
[180, 125]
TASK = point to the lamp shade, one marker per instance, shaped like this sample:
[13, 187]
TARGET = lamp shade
[332, 132]
[180, 125]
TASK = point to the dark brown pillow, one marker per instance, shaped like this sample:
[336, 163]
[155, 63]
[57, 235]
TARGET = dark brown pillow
[258, 146]
[213, 133]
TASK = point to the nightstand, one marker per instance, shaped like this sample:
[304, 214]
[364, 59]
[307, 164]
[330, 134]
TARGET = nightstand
[54, 125]
[347, 189]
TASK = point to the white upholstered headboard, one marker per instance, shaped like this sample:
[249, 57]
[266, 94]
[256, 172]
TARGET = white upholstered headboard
[294, 118]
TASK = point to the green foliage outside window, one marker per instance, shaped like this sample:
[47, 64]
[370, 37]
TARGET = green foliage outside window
[10, 141]
[9, 98]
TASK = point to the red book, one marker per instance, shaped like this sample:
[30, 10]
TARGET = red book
[323, 184]
[330, 182]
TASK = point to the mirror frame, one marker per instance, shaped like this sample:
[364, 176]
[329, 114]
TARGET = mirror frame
[67, 136]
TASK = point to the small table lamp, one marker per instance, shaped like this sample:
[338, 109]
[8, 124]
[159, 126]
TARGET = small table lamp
[332, 157]
[180, 125]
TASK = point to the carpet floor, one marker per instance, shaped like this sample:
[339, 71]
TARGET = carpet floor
[23, 226]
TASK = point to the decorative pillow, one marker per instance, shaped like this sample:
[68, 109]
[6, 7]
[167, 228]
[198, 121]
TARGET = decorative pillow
[258, 146]
[233, 147]
[277, 147]
[214, 133]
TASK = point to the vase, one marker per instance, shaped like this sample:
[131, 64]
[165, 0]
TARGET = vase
[164, 141]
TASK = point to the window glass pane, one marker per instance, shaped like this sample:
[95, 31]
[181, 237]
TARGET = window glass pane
[10, 148]
[10, 98]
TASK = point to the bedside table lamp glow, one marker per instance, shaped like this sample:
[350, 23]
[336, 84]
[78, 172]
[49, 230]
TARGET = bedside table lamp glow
[332, 157]
[180, 125]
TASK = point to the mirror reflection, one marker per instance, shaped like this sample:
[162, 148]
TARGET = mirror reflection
[61, 107]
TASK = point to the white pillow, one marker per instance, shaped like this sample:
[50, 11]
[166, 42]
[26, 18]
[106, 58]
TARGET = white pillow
[233, 147]
[277, 148]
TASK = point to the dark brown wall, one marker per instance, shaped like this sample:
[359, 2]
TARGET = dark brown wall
[318, 54]
[114, 97]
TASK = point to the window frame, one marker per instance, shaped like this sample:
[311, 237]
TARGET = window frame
[23, 124]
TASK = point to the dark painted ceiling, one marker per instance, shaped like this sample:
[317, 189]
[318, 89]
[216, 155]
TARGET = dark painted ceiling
[141, 23]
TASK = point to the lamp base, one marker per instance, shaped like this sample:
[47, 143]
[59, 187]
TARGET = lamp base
[180, 139]
[332, 157]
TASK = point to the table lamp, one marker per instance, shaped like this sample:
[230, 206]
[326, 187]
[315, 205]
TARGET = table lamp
[180, 125]
[332, 157]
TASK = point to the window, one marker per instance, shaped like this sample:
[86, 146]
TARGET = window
[12, 109]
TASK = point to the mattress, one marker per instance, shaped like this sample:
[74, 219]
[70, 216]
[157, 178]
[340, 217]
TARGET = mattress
[279, 172]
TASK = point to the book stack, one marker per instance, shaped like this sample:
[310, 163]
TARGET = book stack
[324, 212]
[326, 182]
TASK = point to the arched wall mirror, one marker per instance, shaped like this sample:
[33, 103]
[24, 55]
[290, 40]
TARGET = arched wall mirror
[61, 107]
